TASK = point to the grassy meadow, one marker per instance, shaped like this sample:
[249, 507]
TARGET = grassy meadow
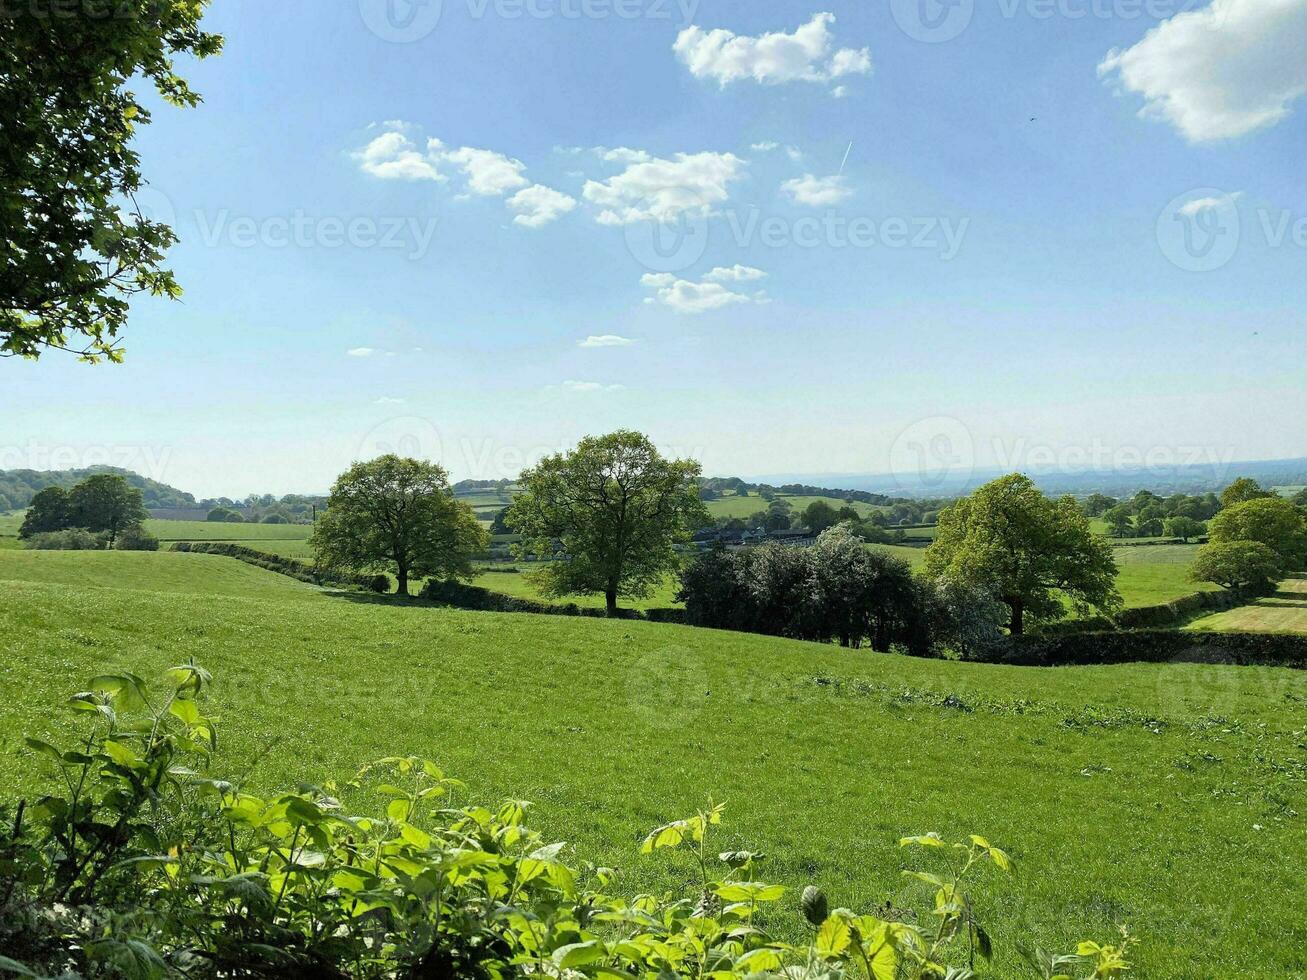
[1160, 796]
[1283, 612]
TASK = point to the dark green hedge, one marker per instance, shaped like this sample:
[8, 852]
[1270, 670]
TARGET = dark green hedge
[1155, 646]
[474, 597]
[286, 566]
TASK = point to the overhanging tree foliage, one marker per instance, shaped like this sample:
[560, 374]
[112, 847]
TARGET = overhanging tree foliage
[1027, 550]
[76, 246]
[616, 507]
[397, 515]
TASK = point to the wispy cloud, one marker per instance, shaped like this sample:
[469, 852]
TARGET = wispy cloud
[818, 192]
[361, 351]
[590, 386]
[605, 340]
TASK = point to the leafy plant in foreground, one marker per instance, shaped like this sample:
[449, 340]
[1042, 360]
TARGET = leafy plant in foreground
[142, 864]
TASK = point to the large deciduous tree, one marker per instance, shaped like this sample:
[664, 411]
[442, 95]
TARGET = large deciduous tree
[1237, 565]
[1273, 521]
[1243, 490]
[106, 503]
[76, 245]
[397, 515]
[616, 508]
[1027, 550]
[49, 511]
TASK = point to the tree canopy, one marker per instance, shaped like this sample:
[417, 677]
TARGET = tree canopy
[397, 515]
[103, 503]
[1242, 490]
[106, 502]
[1025, 549]
[76, 244]
[1236, 565]
[616, 509]
[1273, 521]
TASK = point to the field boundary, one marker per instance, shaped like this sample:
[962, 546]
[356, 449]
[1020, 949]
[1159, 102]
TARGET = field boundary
[284, 566]
[478, 599]
[1155, 646]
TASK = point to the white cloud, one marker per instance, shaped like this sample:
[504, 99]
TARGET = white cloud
[489, 174]
[818, 192]
[684, 296]
[1198, 205]
[1231, 68]
[385, 400]
[662, 190]
[538, 205]
[361, 351]
[590, 386]
[393, 156]
[623, 154]
[735, 273]
[770, 59]
[765, 147]
[606, 340]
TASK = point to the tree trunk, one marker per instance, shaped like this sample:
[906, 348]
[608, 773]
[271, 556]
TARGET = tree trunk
[1018, 625]
[610, 601]
[403, 580]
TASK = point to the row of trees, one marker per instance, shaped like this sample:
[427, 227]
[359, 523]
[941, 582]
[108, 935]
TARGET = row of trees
[837, 590]
[613, 506]
[101, 504]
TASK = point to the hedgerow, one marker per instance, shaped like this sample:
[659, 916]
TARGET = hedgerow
[286, 566]
[142, 863]
[1154, 646]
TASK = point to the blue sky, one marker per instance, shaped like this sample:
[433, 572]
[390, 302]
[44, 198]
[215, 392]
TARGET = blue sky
[996, 275]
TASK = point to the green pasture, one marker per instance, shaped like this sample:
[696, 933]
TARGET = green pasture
[1166, 798]
[1283, 612]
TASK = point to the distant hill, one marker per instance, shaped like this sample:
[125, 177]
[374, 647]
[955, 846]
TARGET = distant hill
[1125, 481]
[18, 487]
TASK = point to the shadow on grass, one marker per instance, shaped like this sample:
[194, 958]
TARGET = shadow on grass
[373, 599]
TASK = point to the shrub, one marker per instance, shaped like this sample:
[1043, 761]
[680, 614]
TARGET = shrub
[137, 539]
[275, 519]
[224, 515]
[72, 539]
[144, 862]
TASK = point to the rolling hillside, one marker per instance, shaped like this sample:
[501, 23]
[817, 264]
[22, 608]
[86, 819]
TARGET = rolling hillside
[1158, 796]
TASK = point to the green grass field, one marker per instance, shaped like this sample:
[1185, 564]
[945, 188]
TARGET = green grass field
[748, 506]
[1155, 574]
[1283, 612]
[1163, 796]
[169, 531]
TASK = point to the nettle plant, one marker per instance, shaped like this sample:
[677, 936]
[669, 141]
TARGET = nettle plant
[142, 864]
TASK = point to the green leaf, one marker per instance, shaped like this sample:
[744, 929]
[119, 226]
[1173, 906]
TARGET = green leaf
[833, 938]
[13, 966]
[749, 891]
[45, 748]
[571, 956]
